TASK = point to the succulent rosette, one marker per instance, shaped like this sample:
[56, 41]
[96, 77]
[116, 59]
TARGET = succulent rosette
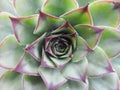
[59, 45]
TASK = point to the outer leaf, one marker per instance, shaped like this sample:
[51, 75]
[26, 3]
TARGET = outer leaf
[116, 64]
[51, 6]
[99, 63]
[110, 41]
[103, 13]
[10, 47]
[81, 51]
[52, 78]
[2, 71]
[27, 7]
[47, 23]
[7, 6]
[33, 83]
[84, 2]
[78, 16]
[108, 82]
[74, 85]
[27, 65]
[90, 33]
[11, 81]
[23, 28]
[76, 71]
[5, 25]
[118, 27]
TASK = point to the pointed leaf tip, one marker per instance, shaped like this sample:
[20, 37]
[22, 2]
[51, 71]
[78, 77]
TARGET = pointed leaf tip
[52, 78]
[47, 23]
[27, 65]
[23, 28]
[77, 16]
[91, 34]
[14, 23]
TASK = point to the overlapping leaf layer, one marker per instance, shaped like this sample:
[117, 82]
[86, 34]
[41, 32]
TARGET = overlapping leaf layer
[60, 45]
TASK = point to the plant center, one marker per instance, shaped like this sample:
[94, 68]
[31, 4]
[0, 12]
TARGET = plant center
[60, 46]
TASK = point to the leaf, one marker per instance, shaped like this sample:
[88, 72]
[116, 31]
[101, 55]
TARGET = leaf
[81, 51]
[89, 33]
[110, 41]
[5, 25]
[78, 16]
[51, 6]
[104, 14]
[46, 61]
[82, 3]
[10, 52]
[2, 71]
[27, 7]
[76, 71]
[11, 81]
[99, 63]
[74, 85]
[107, 82]
[52, 78]
[23, 28]
[35, 48]
[33, 83]
[116, 64]
[8, 6]
[47, 23]
[27, 65]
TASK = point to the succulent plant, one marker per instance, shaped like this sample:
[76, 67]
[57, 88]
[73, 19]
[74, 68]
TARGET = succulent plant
[59, 45]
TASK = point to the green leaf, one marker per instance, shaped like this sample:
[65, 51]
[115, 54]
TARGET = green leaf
[27, 7]
[116, 64]
[2, 71]
[90, 33]
[35, 48]
[103, 13]
[60, 62]
[82, 49]
[33, 83]
[74, 85]
[99, 63]
[110, 41]
[52, 78]
[107, 82]
[65, 28]
[78, 16]
[47, 23]
[23, 28]
[84, 2]
[11, 81]
[5, 25]
[76, 71]
[27, 65]
[59, 7]
[10, 52]
[7, 6]
[46, 61]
